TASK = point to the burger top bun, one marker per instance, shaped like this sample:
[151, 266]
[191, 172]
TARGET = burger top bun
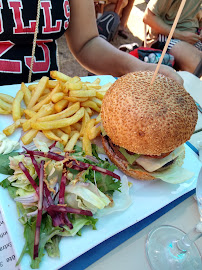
[148, 119]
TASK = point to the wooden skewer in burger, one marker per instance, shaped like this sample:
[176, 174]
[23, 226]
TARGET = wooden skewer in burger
[146, 118]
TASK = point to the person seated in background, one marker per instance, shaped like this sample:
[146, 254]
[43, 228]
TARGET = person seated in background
[124, 13]
[185, 44]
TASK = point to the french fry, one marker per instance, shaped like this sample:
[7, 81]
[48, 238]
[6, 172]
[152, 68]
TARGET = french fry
[27, 93]
[92, 86]
[10, 129]
[105, 87]
[87, 147]
[77, 126]
[51, 136]
[29, 113]
[43, 97]
[56, 75]
[60, 105]
[72, 142]
[66, 130]
[47, 99]
[96, 81]
[46, 91]
[97, 101]
[82, 93]
[32, 87]
[44, 111]
[38, 91]
[61, 108]
[2, 111]
[7, 98]
[89, 111]
[59, 123]
[75, 86]
[52, 84]
[85, 119]
[70, 104]
[62, 135]
[90, 104]
[72, 133]
[94, 132]
[98, 119]
[5, 106]
[16, 109]
[29, 136]
[75, 99]
[100, 94]
[66, 113]
[75, 79]
[57, 97]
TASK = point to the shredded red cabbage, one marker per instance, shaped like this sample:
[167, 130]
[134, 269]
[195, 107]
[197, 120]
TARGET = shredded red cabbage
[79, 165]
[39, 215]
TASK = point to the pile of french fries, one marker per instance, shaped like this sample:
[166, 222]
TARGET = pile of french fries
[65, 109]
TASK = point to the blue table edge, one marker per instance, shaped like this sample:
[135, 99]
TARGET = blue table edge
[94, 254]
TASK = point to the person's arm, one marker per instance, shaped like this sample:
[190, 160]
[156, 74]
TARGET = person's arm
[160, 27]
[96, 54]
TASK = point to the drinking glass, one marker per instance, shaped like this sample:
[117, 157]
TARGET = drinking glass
[169, 248]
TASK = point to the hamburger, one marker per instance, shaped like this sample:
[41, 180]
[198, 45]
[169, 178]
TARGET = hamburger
[145, 126]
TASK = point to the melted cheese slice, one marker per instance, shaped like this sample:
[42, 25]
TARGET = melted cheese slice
[153, 164]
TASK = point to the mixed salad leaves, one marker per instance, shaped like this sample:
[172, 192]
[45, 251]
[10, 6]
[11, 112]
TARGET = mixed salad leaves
[58, 193]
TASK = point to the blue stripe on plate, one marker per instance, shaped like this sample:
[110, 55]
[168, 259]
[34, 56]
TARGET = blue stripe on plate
[193, 148]
[94, 254]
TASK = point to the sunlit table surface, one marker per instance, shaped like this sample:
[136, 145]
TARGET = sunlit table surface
[131, 254]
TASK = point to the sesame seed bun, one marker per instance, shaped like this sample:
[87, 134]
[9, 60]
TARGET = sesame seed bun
[148, 119]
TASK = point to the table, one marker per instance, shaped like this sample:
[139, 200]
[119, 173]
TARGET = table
[131, 254]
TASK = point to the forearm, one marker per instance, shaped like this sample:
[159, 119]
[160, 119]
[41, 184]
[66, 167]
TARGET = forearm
[100, 57]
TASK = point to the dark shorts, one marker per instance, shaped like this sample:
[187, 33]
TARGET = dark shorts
[162, 40]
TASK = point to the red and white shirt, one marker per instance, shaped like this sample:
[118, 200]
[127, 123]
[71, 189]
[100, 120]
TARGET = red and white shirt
[17, 27]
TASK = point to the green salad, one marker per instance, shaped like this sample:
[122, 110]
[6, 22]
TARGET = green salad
[58, 193]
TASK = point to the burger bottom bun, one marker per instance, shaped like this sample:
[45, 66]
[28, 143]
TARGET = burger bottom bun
[135, 173]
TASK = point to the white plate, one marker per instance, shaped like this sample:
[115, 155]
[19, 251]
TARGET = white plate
[147, 197]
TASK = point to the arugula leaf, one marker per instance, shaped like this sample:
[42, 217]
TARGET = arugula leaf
[5, 183]
[105, 183]
[11, 190]
[78, 223]
[78, 148]
[94, 151]
[5, 162]
[47, 231]
[90, 221]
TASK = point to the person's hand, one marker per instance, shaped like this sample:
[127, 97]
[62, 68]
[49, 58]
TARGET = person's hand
[167, 71]
[187, 36]
[170, 72]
